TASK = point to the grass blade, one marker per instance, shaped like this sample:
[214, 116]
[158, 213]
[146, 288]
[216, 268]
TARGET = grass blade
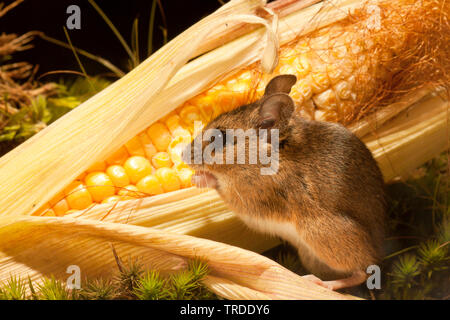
[89, 55]
[151, 25]
[114, 30]
[78, 59]
[135, 41]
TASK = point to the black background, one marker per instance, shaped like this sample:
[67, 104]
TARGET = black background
[279, 310]
[49, 16]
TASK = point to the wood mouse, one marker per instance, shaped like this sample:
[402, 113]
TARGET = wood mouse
[326, 197]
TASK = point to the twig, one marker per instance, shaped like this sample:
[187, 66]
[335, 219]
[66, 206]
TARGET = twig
[9, 7]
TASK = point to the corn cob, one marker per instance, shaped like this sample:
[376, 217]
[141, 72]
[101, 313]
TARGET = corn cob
[343, 72]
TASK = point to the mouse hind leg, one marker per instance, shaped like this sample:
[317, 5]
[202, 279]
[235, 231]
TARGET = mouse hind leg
[322, 272]
[339, 253]
[313, 264]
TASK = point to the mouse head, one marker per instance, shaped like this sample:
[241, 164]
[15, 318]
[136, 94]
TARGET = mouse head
[229, 146]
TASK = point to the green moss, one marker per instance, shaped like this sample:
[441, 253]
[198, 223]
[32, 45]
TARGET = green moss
[52, 289]
[13, 289]
[16, 127]
[98, 289]
[151, 287]
[132, 281]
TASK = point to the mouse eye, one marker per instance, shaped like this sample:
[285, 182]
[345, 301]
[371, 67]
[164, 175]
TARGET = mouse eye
[221, 137]
[224, 137]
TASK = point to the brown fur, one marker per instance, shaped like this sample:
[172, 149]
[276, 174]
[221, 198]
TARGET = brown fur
[328, 186]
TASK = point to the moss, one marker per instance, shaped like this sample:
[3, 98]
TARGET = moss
[132, 281]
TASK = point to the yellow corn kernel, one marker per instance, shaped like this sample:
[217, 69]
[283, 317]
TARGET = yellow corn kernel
[340, 71]
[129, 192]
[150, 185]
[214, 94]
[181, 135]
[288, 69]
[179, 166]
[112, 199]
[168, 179]
[320, 81]
[239, 86]
[175, 152]
[189, 114]
[245, 75]
[134, 147]
[225, 98]
[97, 166]
[147, 144]
[302, 65]
[287, 59]
[303, 87]
[161, 159]
[173, 122]
[185, 175]
[137, 167]
[241, 90]
[99, 186]
[159, 135]
[164, 118]
[118, 176]
[58, 197]
[287, 54]
[77, 196]
[61, 207]
[343, 90]
[118, 157]
[326, 100]
[177, 145]
[205, 104]
[296, 96]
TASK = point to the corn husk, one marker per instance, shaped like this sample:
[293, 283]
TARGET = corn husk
[161, 228]
[44, 245]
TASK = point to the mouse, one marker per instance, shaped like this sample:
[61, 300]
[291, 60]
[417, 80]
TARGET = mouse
[325, 195]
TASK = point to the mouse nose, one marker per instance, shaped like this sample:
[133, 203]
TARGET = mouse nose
[204, 179]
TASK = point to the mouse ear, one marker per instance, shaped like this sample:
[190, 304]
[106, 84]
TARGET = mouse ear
[275, 111]
[280, 84]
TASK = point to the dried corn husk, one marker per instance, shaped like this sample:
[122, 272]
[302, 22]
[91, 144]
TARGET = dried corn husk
[42, 166]
[38, 246]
